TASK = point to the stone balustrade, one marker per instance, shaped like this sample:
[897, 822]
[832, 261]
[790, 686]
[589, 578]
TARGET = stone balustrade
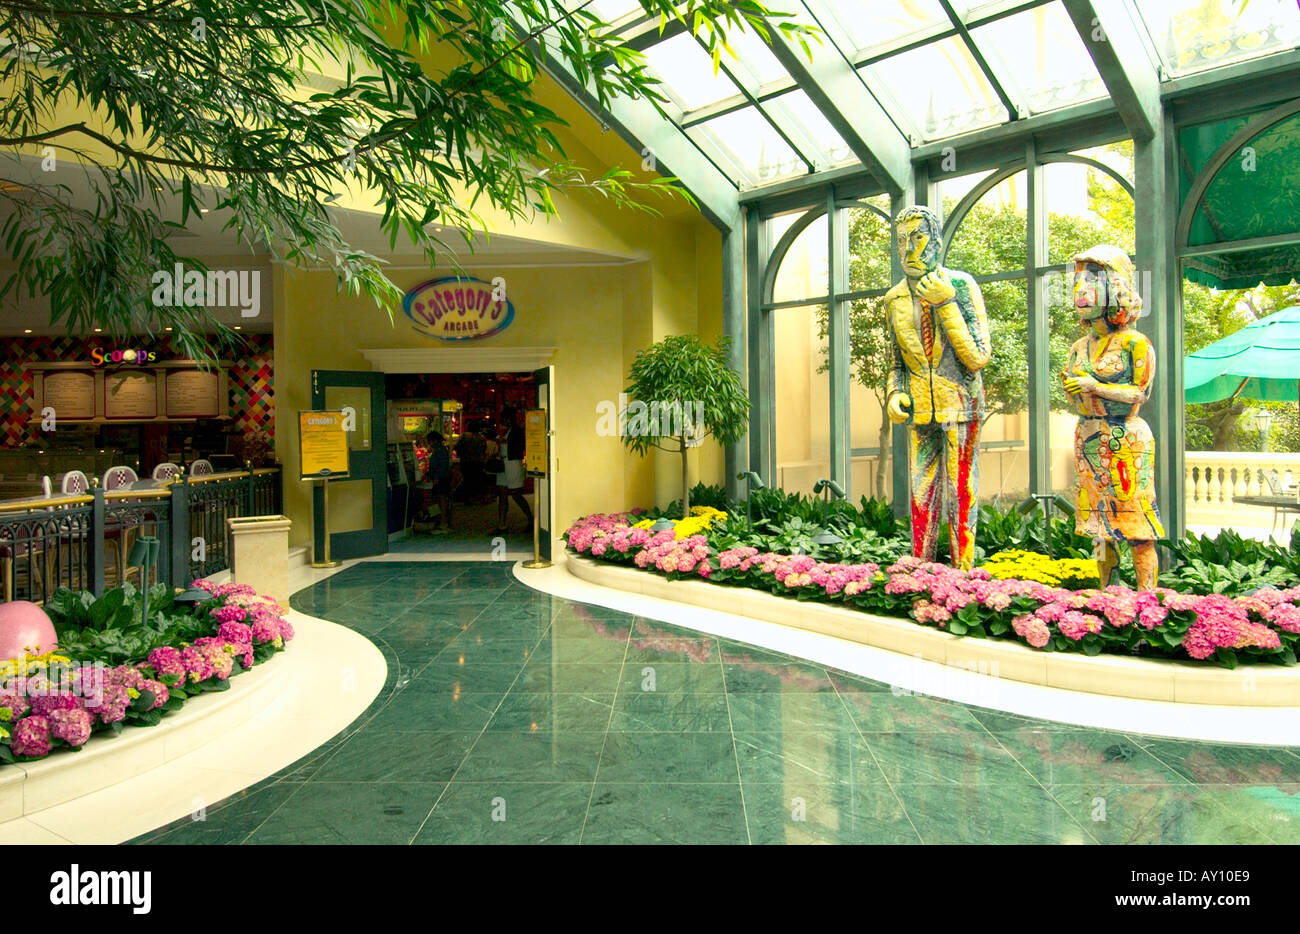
[1216, 479]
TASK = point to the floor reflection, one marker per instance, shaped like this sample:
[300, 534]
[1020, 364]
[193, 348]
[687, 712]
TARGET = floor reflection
[514, 717]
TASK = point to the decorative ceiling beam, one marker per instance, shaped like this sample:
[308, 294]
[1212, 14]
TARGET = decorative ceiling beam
[644, 127]
[1116, 47]
[844, 99]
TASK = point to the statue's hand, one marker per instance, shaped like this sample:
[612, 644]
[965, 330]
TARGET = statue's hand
[1079, 383]
[899, 407]
[935, 288]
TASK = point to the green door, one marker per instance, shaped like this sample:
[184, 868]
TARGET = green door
[358, 506]
[544, 503]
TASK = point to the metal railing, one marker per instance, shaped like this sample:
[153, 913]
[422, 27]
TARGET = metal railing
[83, 542]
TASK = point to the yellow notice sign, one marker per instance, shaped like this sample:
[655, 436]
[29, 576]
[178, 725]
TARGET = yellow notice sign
[322, 445]
[535, 441]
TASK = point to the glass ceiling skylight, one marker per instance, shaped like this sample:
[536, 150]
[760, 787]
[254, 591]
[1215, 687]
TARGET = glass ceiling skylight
[1040, 55]
[1192, 36]
[750, 118]
[751, 150]
[870, 24]
[687, 73]
[940, 88]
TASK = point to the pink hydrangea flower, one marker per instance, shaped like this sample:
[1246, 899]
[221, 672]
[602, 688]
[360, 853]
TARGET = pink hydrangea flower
[197, 667]
[31, 737]
[1032, 629]
[45, 704]
[166, 660]
[16, 703]
[112, 703]
[71, 725]
[159, 691]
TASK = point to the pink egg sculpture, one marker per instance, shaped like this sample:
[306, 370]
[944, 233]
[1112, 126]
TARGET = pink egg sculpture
[24, 628]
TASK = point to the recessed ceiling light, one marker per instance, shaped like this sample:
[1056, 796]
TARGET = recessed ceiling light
[238, 327]
[203, 210]
[27, 330]
[166, 329]
[97, 330]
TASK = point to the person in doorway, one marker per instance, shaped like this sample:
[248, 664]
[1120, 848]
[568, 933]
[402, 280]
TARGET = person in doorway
[472, 450]
[438, 479]
[510, 482]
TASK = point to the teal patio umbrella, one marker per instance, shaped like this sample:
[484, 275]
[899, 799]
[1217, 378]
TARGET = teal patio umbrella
[1261, 361]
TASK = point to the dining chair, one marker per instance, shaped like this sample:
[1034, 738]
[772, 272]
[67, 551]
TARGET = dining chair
[74, 483]
[118, 478]
[165, 472]
[115, 529]
[73, 540]
[201, 468]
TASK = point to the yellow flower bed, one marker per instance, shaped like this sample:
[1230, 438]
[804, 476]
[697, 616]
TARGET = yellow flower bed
[700, 519]
[1072, 573]
[18, 667]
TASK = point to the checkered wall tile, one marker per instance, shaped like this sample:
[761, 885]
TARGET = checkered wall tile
[252, 397]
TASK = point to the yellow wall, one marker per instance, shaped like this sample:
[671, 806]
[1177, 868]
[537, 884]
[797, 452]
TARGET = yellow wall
[596, 317]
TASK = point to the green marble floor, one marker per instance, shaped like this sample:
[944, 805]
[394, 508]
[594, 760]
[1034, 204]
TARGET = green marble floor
[510, 716]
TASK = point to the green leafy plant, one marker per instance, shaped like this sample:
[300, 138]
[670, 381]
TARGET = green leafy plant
[135, 118]
[108, 629]
[1229, 564]
[681, 390]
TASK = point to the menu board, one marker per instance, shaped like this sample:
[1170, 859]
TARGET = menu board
[322, 445]
[193, 394]
[130, 395]
[535, 441]
[70, 393]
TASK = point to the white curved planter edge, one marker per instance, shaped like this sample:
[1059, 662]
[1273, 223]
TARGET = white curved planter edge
[118, 787]
[1109, 675]
[105, 760]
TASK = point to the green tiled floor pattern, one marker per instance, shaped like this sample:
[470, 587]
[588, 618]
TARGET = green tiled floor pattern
[510, 716]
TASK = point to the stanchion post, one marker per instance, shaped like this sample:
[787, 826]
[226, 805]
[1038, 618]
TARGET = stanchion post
[537, 561]
[325, 521]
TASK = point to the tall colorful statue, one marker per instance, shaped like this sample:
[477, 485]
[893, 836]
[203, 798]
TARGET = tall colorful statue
[941, 342]
[1109, 374]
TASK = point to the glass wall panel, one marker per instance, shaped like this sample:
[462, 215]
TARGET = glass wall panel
[803, 272]
[1086, 206]
[870, 247]
[802, 403]
[991, 238]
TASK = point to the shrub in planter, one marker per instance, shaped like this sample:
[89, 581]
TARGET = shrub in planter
[61, 700]
[1262, 626]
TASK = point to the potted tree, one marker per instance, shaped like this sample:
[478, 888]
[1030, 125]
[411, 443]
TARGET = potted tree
[680, 390]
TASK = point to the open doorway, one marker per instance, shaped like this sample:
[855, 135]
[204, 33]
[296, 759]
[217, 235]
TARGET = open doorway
[455, 449]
